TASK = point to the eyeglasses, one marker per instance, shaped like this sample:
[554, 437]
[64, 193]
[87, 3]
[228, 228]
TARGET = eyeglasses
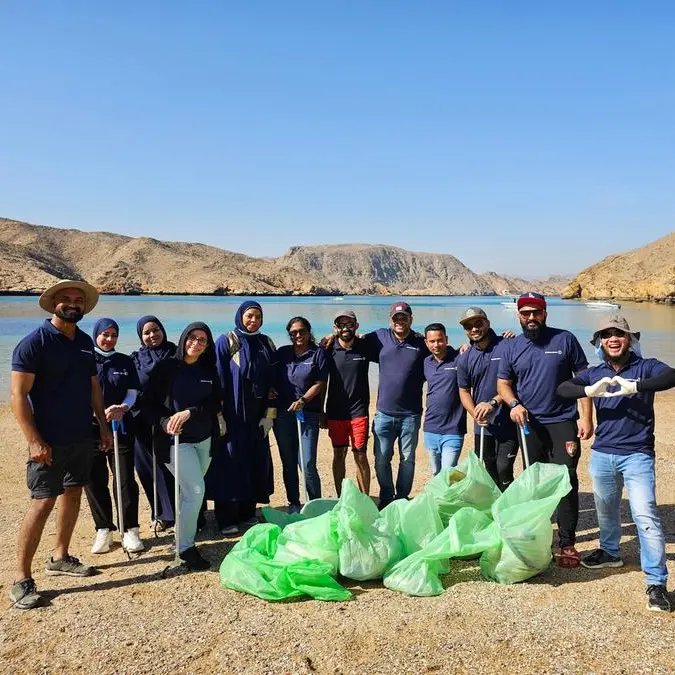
[612, 332]
[199, 340]
[475, 324]
[297, 333]
[346, 324]
[531, 312]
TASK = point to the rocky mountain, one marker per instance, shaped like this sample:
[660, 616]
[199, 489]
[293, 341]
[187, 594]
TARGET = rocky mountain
[646, 273]
[33, 256]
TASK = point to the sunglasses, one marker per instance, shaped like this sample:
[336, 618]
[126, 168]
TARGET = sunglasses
[346, 324]
[474, 324]
[531, 312]
[612, 332]
[297, 333]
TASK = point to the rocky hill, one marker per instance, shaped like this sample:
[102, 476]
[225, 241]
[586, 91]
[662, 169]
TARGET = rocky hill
[646, 273]
[34, 256]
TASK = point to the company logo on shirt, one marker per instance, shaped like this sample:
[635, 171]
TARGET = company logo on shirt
[207, 381]
[496, 358]
[120, 372]
[411, 347]
[86, 351]
[358, 358]
[449, 367]
[558, 351]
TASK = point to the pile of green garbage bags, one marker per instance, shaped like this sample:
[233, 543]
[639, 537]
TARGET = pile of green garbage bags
[460, 514]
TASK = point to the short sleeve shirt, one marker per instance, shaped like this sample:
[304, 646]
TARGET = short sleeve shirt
[294, 375]
[61, 393]
[625, 424]
[537, 368]
[348, 387]
[401, 371]
[444, 413]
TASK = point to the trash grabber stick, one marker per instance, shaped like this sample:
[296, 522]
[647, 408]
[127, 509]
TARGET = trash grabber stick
[118, 484]
[176, 562]
[482, 443]
[301, 418]
[524, 433]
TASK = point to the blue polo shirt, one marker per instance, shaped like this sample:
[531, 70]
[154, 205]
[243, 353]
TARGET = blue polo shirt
[445, 413]
[293, 375]
[477, 370]
[116, 375]
[401, 371]
[348, 390]
[537, 368]
[61, 393]
[625, 424]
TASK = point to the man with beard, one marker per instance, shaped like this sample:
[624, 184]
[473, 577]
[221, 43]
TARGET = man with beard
[477, 380]
[533, 366]
[348, 399]
[54, 388]
[623, 450]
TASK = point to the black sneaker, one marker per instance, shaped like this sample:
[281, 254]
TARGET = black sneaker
[194, 560]
[657, 599]
[24, 595]
[600, 559]
[70, 566]
[384, 503]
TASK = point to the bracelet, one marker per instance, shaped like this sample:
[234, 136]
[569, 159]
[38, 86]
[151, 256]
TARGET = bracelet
[303, 400]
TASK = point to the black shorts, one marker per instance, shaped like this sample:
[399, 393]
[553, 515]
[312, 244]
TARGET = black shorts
[70, 467]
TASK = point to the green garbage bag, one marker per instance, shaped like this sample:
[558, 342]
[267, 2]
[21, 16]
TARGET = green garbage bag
[317, 507]
[367, 546]
[468, 484]
[469, 532]
[523, 516]
[249, 568]
[313, 508]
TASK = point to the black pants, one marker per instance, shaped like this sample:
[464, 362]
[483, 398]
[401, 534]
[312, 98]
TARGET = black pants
[558, 443]
[499, 456]
[98, 494]
[233, 513]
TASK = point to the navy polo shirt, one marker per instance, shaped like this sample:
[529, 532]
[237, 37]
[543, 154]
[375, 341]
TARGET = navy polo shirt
[537, 368]
[295, 375]
[445, 413]
[116, 375]
[625, 424]
[192, 387]
[401, 371]
[61, 393]
[348, 389]
[477, 370]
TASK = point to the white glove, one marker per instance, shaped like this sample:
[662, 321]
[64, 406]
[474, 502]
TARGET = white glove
[599, 388]
[266, 425]
[628, 387]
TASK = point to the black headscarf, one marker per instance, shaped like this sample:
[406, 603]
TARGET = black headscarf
[208, 357]
[146, 358]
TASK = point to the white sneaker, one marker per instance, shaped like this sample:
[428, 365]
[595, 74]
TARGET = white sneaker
[131, 541]
[102, 541]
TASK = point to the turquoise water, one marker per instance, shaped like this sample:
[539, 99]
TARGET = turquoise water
[20, 315]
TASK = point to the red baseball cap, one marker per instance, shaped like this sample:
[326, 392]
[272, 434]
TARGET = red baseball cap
[400, 308]
[532, 299]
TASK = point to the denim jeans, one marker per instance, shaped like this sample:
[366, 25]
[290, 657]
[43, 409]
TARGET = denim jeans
[388, 429]
[609, 473]
[194, 460]
[286, 433]
[444, 450]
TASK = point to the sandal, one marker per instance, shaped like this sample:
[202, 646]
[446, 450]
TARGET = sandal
[569, 557]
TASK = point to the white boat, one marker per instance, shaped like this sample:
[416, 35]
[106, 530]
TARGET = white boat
[511, 304]
[601, 304]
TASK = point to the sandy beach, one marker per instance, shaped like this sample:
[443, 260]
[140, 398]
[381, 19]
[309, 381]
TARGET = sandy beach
[127, 619]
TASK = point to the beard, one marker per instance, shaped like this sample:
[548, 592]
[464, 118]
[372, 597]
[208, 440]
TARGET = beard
[72, 315]
[346, 335]
[534, 333]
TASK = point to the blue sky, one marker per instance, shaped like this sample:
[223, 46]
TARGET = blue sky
[522, 137]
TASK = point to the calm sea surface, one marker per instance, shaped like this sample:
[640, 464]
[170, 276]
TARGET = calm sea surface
[20, 315]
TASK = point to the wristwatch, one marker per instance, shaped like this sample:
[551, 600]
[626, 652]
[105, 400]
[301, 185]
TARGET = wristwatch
[514, 404]
[493, 402]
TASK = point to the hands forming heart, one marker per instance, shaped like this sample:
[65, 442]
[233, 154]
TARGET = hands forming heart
[600, 389]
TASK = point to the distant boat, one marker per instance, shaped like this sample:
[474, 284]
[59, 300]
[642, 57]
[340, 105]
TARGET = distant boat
[511, 304]
[338, 298]
[601, 304]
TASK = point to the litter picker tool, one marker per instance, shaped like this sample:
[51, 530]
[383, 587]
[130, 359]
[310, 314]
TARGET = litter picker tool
[482, 443]
[301, 418]
[118, 484]
[524, 433]
[176, 562]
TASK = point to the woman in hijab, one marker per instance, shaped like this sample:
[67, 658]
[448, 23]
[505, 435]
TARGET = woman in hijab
[241, 477]
[119, 384]
[301, 373]
[154, 348]
[184, 399]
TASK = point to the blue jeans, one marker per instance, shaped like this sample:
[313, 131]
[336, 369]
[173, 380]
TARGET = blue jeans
[609, 473]
[193, 461]
[388, 429]
[444, 450]
[286, 433]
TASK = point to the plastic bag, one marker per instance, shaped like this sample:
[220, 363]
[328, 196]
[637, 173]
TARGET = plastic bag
[249, 567]
[468, 484]
[313, 508]
[523, 516]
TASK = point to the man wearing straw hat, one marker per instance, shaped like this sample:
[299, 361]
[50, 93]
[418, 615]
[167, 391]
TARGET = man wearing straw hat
[623, 387]
[54, 389]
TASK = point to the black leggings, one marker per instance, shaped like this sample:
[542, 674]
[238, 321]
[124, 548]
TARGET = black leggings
[558, 444]
[499, 456]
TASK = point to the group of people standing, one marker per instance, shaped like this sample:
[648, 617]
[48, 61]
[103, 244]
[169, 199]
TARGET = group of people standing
[220, 398]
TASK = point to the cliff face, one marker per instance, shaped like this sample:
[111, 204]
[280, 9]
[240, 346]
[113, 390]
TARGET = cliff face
[32, 257]
[646, 273]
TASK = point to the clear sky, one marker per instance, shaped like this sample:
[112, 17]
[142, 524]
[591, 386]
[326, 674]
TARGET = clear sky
[522, 137]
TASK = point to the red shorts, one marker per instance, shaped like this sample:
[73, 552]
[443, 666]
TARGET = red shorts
[342, 431]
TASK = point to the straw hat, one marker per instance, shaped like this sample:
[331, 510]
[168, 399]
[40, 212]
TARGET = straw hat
[90, 294]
